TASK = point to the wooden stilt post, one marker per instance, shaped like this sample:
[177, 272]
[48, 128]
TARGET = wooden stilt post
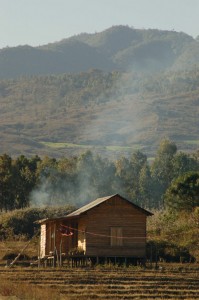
[125, 261]
[39, 258]
[57, 256]
[60, 250]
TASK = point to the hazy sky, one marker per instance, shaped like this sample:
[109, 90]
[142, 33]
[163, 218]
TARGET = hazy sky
[37, 22]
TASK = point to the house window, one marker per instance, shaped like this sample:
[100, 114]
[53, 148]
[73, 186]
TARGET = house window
[116, 236]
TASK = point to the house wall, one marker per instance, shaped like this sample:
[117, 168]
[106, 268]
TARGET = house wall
[43, 241]
[118, 213]
[50, 237]
[81, 234]
[53, 242]
[113, 228]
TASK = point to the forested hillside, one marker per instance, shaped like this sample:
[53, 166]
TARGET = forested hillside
[117, 48]
[111, 113]
[111, 92]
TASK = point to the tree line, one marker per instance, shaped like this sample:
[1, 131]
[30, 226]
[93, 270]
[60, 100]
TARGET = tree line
[170, 180]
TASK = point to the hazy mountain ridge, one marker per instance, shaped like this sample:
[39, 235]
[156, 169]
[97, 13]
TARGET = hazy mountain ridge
[131, 97]
[117, 48]
[98, 109]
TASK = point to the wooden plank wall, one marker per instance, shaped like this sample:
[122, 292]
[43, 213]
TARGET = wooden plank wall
[81, 234]
[116, 213]
[53, 241]
[43, 241]
[93, 231]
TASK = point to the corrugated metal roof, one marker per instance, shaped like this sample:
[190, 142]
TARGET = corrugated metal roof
[53, 219]
[98, 201]
[89, 206]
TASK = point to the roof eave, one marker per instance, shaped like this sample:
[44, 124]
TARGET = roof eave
[43, 221]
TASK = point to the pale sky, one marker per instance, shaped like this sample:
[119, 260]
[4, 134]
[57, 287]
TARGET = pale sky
[38, 22]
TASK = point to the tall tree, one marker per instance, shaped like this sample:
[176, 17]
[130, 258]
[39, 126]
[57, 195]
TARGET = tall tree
[123, 175]
[6, 183]
[138, 160]
[162, 169]
[132, 174]
[47, 178]
[183, 192]
[145, 187]
[24, 171]
[183, 163]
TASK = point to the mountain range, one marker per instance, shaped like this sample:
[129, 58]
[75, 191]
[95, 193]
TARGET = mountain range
[112, 92]
[117, 48]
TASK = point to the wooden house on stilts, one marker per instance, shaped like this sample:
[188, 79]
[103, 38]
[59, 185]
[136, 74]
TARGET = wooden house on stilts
[107, 229]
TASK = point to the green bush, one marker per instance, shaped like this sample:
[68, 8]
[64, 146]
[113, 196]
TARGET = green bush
[21, 222]
[168, 252]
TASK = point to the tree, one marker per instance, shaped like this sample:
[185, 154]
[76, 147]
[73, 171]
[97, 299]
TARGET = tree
[45, 192]
[138, 161]
[145, 188]
[183, 163]
[162, 170]
[6, 183]
[95, 177]
[183, 193]
[24, 173]
[133, 174]
[105, 181]
[124, 175]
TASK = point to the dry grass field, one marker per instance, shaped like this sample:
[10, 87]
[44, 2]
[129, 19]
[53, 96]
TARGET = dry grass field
[108, 282]
[168, 281]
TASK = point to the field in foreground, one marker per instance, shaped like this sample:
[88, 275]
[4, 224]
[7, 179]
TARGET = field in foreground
[173, 282]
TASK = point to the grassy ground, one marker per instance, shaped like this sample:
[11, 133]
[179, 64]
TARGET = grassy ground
[22, 281]
[10, 249]
[192, 142]
[82, 146]
[168, 282]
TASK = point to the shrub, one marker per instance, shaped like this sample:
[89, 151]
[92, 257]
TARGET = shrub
[21, 223]
[168, 252]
